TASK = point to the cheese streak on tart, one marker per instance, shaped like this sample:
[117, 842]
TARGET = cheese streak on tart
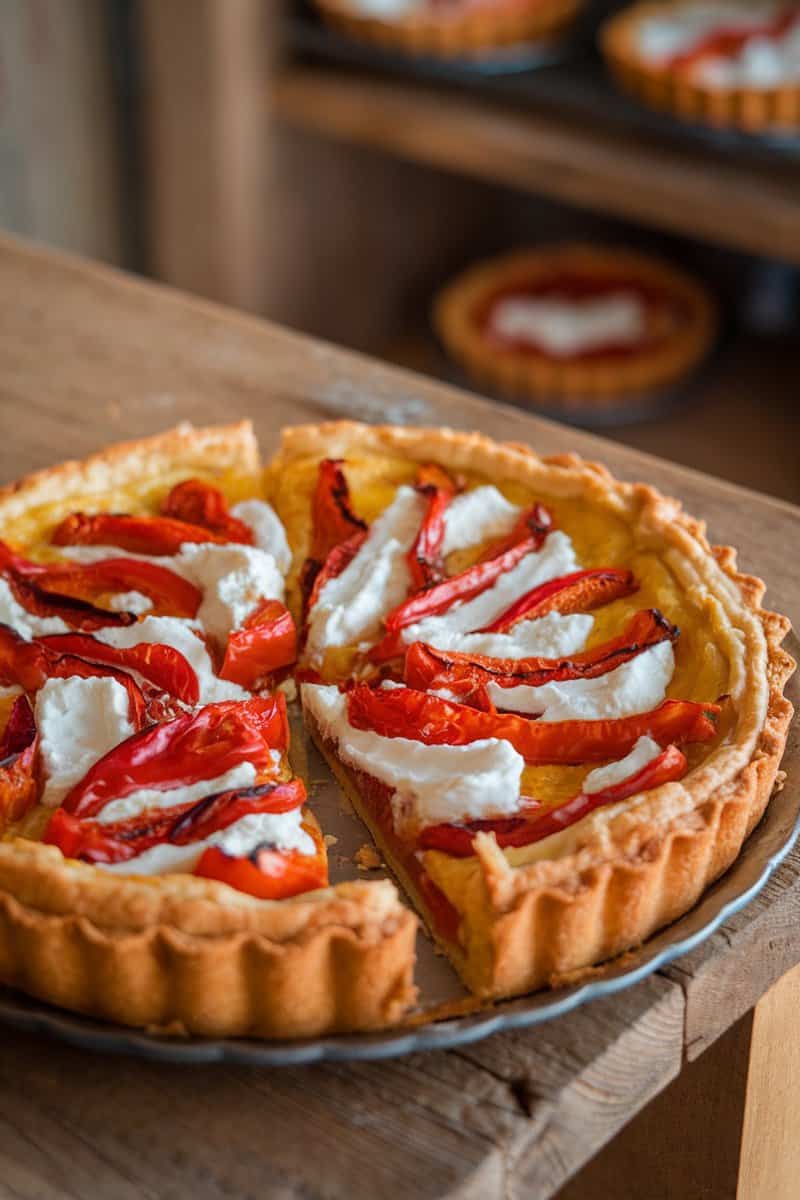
[495, 669]
[140, 647]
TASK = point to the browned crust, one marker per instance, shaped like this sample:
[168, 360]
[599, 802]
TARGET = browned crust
[574, 384]
[470, 34]
[178, 950]
[751, 109]
[614, 878]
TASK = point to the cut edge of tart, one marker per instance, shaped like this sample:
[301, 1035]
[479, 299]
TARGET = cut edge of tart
[475, 32]
[575, 382]
[746, 107]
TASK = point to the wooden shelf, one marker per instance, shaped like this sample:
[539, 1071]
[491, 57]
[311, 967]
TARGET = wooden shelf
[755, 208]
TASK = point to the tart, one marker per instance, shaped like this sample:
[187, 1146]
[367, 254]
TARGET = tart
[727, 64]
[578, 325]
[556, 707]
[448, 28]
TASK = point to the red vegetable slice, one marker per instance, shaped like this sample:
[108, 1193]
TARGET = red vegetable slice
[333, 522]
[80, 614]
[523, 830]
[466, 675]
[188, 749]
[65, 666]
[162, 666]
[21, 662]
[266, 643]
[139, 535]
[404, 712]
[198, 503]
[461, 587]
[269, 874]
[170, 593]
[425, 559]
[578, 592]
[120, 841]
[19, 746]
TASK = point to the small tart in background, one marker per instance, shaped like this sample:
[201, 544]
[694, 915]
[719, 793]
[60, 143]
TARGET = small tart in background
[728, 64]
[579, 325]
[448, 28]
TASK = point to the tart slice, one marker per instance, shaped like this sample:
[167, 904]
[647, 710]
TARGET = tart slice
[159, 864]
[729, 64]
[576, 324]
[556, 707]
[448, 28]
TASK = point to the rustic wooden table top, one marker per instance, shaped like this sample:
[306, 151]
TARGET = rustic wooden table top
[88, 356]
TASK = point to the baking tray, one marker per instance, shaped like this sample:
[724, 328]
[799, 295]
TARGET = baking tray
[765, 849]
[566, 75]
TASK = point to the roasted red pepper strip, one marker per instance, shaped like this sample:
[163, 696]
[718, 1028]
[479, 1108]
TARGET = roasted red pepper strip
[404, 712]
[266, 642]
[80, 614]
[190, 748]
[198, 503]
[18, 750]
[64, 666]
[578, 592]
[333, 520]
[269, 874]
[332, 523]
[170, 593]
[139, 535]
[465, 675]
[460, 587]
[162, 666]
[120, 841]
[21, 662]
[523, 830]
[425, 560]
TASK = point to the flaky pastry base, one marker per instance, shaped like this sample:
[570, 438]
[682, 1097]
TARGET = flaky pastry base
[751, 109]
[471, 34]
[609, 881]
[574, 383]
[179, 952]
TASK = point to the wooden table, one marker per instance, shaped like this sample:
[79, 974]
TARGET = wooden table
[87, 356]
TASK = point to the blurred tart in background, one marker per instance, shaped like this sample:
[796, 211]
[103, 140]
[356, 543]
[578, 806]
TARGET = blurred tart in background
[575, 324]
[725, 64]
[448, 27]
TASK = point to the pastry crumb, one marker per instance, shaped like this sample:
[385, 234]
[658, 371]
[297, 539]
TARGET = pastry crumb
[289, 689]
[330, 839]
[367, 858]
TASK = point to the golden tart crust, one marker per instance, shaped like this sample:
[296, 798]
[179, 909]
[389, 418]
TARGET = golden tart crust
[180, 952]
[612, 879]
[751, 109]
[574, 382]
[479, 29]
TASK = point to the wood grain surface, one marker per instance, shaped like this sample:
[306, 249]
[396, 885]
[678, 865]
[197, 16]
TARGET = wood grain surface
[88, 356]
[750, 207]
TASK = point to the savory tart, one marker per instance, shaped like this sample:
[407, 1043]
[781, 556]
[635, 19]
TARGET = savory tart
[579, 325]
[448, 28]
[556, 707]
[723, 64]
